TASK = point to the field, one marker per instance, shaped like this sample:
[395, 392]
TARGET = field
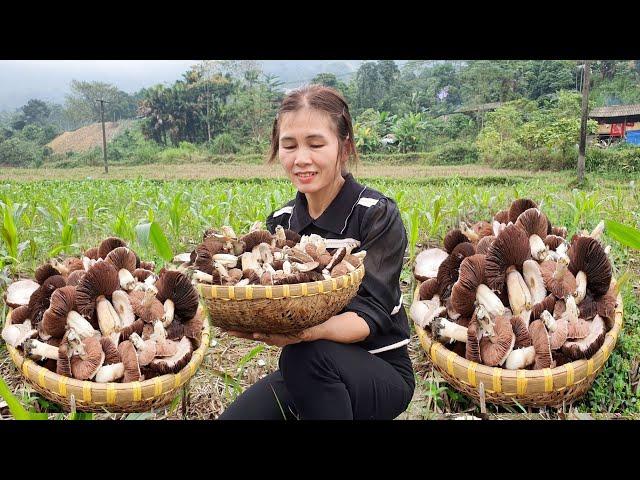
[58, 212]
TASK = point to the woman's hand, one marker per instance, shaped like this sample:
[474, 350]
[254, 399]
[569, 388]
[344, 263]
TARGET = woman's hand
[278, 339]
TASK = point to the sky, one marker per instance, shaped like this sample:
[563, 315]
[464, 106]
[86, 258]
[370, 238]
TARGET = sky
[21, 80]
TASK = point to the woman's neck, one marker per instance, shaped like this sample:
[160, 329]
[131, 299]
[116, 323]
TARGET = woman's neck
[318, 202]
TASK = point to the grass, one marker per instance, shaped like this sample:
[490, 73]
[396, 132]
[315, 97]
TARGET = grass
[63, 211]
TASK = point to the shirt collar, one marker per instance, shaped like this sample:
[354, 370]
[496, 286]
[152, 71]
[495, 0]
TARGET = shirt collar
[334, 218]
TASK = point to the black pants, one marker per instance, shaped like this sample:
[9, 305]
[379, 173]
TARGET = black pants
[329, 380]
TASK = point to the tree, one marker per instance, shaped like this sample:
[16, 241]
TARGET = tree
[35, 111]
[83, 108]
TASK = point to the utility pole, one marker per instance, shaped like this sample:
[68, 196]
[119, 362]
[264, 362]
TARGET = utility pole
[104, 136]
[583, 122]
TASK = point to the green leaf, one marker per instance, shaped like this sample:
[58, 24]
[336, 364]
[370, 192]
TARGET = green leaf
[624, 234]
[152, 231]
[140, 416]
[16, 408]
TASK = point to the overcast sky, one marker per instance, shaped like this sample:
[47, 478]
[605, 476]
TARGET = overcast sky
[49, 80]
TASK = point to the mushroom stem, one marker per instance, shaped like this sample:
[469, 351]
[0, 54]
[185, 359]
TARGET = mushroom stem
[127, 282]
[108, 319]
[80, 325]
[123, 308]
[485, 320]
[581, 286]
[539, 250]
[520, 358]
[534, 281]
[489, 300]
[15, 335]
[423, 312]
[468, 232]
[519, 295]
[445, 329]
[36, 348]
[561, 268]
[169, 310]
[549, 321]
[110, 373]
[200, 276]
[597, 232]
[571, 308]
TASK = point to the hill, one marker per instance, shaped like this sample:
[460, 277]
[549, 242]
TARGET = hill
[86, 138]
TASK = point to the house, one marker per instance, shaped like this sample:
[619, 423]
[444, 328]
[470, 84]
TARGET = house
[617, 122]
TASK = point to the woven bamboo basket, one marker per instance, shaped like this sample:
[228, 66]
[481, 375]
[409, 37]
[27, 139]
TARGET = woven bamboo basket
[549, 387]
[108, 397]
[279, 308]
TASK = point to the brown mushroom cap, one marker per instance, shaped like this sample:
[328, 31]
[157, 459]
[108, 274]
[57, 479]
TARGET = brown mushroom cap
[109, 244]
[587, 255]
[523, 338]
[540, 341]
[427, 262]
[193, 328]
[534, 222]
[45, 271]
[553, 241]
[54, 320]
[453, 238]
[74, 277]
[63, 366]
[449, 268]
[292, 236]
[494, 350]
[177, 287]
[586, 347]
[588, 307]
[136, 327]
[147, 266]
[84, 367]
[560, 287]
[92, 253]
[502, 216]
[141, 274]
[19, 315]
[255, 238]
[482, 228]
[153, 310]
[176, 362]
[40, 299]
[511, 247]
[472, 351]
[484, 243]
[100, 279]
[559, 231]
[519, 206]
[471, 275]
[111, 354]
[73, 264]
[559, 335]
[129, 356]
[606, 308]
[122, 258]
[428, 289]
[548, 304]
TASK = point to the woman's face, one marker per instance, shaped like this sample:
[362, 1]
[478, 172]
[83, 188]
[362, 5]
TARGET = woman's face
[308, 150]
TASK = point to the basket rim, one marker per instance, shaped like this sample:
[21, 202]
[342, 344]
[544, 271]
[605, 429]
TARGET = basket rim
[161, 385]
[274, 292]
[431, 347]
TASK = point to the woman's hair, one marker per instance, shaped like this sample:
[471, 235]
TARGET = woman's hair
[322, 99]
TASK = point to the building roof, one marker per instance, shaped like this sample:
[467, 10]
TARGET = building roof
[615, 111]
[479, 108]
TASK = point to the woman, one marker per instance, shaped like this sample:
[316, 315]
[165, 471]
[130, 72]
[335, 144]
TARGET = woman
[355, 365]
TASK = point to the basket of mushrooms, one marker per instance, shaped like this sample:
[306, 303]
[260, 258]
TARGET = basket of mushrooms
[516, 309]
[104, 332]
[273, 283]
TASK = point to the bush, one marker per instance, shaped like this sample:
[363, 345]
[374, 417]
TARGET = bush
[623, 158]
[223, 144]
[457, 152]
[17, 152]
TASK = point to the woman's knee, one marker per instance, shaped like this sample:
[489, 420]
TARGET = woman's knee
[303, 352]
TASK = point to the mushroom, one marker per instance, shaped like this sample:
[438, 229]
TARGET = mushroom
[80, 325]
[559, 334]
[521, 331]
[107, 245]
[100, 279]
[428, 262]
[577, 327]
[548, 303]
[484, 243]
[495, 349]
[108, 319]
[510, 248]
[124, 260]
[176, 362]
[423, 312]
[535, 223]
[146, 349]
[40, 299]
[85, 366]
[519, 294]
[553, 241]
[538, 354]
[74, 277]
[587, 346]
[472, 348]
[124, 309]
[146, 306]
[18, 293]
[257, 237]
[45, 271]
[54, 320]
[428, 289]
[110, 349]
[130, 363]
[446, 330]
[109, 373]
[587, 255]
[448, 270]
[534, 281]
[557, 278]
[453, 238]
[63, 366]
[175, 288]
[518, 207]
[502, 216]
[470, 288]
[606, 305]
[16, 334]
[559, 231]
[137, 327]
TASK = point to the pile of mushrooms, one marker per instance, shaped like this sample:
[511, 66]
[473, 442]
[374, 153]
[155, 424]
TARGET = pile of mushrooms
[514, 293]
[105, 317]
[263, 258]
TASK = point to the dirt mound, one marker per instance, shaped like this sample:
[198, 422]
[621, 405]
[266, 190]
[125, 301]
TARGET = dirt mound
[88, 137]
